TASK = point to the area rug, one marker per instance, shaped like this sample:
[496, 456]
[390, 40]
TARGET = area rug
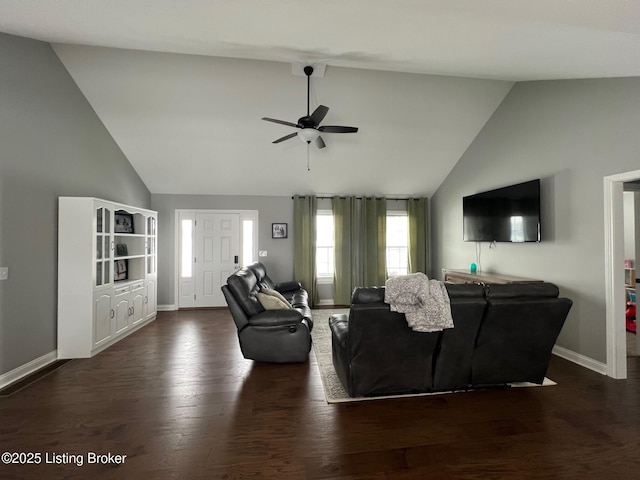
[334, 392]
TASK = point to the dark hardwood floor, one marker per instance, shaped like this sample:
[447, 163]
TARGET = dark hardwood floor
[180, 402]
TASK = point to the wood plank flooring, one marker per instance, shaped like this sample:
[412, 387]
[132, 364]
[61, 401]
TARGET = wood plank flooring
[180, 402]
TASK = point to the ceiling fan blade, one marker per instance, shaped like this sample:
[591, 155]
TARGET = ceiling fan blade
[281, 122]
[286, 137]
[318, 115]
[320, 143]
[337, 129]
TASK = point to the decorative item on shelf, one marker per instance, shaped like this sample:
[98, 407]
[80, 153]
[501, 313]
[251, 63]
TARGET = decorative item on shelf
[473, 268]
[278, 230]
[123, 222]
[121, 250]
[120, 271]
[630, 277]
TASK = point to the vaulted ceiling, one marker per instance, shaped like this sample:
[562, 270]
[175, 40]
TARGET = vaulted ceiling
[181, 86]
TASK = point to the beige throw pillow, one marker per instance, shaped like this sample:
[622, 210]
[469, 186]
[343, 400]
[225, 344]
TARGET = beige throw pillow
[269, 302]
[274, 293]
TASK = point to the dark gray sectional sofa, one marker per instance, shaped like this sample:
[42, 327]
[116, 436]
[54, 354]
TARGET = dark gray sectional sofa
[503, 334]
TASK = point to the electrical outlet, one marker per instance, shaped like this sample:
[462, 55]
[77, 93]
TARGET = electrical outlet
[262, 253]
[4, 273]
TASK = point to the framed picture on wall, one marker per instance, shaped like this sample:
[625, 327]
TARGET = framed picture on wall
[279, 230]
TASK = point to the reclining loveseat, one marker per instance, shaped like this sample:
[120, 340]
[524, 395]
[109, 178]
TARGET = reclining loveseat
[273, 319]
[502, 334]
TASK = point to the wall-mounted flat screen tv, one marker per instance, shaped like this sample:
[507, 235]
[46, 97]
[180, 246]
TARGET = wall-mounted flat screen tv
[509, 214]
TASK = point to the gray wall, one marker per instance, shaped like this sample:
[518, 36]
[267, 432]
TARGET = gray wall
[570, 134]
[279, 261]
[51, 144]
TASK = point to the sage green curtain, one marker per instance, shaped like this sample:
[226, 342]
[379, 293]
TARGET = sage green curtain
[418, 213]
[304, 241]
[372, 242]
[360, 245]
[345, 265]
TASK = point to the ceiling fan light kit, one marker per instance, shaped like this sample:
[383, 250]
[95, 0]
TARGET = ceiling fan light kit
[308, 135]
[309, 125]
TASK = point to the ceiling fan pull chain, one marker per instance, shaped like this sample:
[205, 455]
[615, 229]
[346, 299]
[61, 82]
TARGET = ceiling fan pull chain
[308, 161]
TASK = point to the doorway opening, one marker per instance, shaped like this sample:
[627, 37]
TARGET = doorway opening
[615, 273]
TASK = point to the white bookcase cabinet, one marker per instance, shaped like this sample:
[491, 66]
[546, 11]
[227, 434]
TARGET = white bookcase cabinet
[107, 273]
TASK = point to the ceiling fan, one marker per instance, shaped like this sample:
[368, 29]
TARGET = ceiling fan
[309, 125]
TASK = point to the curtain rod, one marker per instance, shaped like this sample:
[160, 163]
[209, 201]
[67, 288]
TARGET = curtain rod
[360, 198]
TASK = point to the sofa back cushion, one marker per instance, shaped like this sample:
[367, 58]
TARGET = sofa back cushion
[243, 286]
[455, 356]
[464, 290]
[262, 278]
[376, 294]
[522, 290]
[518, 332]
[368, 295]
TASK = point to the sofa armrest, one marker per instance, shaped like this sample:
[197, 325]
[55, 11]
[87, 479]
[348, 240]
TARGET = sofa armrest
[272, 318]
[287, 286]
[339, 325]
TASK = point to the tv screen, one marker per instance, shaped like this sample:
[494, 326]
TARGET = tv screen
[509, 214]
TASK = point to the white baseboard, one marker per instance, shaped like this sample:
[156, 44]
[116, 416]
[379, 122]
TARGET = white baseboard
[27, 369]
[167, 308]
[581, 360]
[328, 301]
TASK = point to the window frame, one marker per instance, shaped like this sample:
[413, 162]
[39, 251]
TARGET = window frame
[397, 213]
[328, 278]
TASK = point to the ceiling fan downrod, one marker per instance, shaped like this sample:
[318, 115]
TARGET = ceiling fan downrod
[308, 71]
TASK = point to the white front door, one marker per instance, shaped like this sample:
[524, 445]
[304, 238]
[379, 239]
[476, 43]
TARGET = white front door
[217, 251]
[211, 245]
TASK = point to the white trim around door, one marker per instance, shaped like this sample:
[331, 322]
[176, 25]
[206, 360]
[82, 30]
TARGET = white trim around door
[185, 248]
[614, 272]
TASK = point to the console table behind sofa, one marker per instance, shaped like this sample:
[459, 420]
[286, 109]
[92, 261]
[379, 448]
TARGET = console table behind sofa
[464, 276]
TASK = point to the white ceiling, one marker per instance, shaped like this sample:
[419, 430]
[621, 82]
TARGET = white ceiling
[186, 112]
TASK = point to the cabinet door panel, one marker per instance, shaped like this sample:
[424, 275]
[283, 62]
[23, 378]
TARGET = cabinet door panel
[102, 318]
[150, 306]
[138, 308]
[122, 314]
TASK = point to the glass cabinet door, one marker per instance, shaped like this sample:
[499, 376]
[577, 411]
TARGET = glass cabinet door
[151, 246]
[104, 247]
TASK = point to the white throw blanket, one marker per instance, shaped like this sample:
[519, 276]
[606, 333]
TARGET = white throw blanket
[425, 303]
